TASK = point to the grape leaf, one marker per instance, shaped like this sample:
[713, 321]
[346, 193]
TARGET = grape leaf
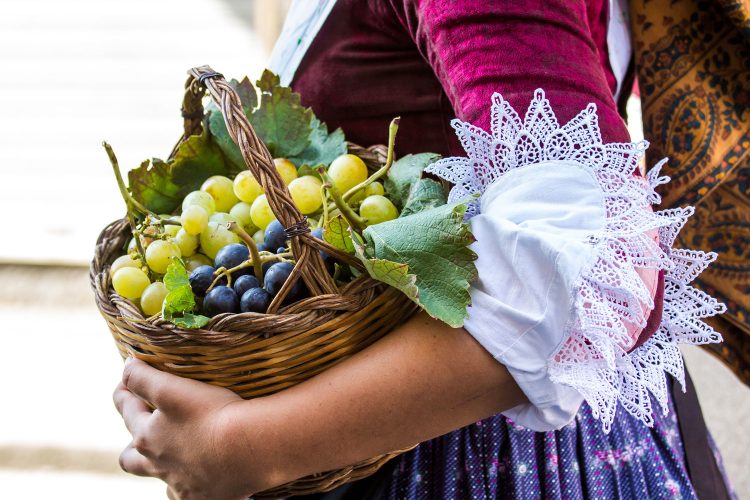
[179, 303]
[436, 253]
[287, 128]
[424, 194]
[281, 121]
[161, 186]
[404, 173]
[391, 273]
[218, 129]
[323, 147]
[191, 321]
[176, 275]
[336, 232]
[247, 93]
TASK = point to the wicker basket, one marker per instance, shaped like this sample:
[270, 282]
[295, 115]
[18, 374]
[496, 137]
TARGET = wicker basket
[259, 354]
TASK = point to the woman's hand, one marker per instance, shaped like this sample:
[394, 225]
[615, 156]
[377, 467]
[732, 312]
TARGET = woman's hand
[420, 381]
[188, 439]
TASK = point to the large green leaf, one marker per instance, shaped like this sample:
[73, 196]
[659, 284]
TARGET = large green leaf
[288, 129]
[249, 99]
[323, 147]
[281, 121]
[247, 93]
[435, 252]
[424, 194]
[391, 273]
[404, 173]
[161, 186]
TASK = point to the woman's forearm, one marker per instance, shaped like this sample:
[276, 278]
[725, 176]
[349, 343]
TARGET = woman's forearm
[422, 380]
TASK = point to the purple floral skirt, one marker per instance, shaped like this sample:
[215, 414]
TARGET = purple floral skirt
[496, 458]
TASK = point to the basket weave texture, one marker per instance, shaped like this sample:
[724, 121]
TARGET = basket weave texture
[259, 354]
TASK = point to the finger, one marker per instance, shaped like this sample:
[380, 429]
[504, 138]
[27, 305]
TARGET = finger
[132, 462]
[169, 393]
[135, 413]
[153, 386]
[171, 495]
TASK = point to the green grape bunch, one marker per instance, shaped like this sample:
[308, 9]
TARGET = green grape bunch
[227, 241]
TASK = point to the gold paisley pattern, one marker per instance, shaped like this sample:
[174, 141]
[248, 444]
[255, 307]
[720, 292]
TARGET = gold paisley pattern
[693, 66]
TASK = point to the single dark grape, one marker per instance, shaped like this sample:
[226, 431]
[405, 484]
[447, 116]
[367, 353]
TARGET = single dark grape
[201, 278]
[281, 250]
[255, 300]
[266, 266]
[245, 283]
[274, 235]
[264, 247]
[275, 278]
[220, 299]
[231, 255]
[317, 232]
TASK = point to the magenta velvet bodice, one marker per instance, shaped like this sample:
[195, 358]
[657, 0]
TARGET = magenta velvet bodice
[431, 60]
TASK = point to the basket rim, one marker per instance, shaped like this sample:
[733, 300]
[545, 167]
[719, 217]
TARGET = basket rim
[353, 297]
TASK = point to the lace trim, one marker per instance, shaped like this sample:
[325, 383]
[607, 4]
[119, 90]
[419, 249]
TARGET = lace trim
[610, 294]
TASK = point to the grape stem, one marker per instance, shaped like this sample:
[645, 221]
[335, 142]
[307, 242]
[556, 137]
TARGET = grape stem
[382, 171]
[130, 203]
[219, 273]
[250, 242]
[355, 221]
[155, 219]
[224, 272]
[324, 194]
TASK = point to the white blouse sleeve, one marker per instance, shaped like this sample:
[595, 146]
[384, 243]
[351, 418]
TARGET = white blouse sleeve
[564, 235]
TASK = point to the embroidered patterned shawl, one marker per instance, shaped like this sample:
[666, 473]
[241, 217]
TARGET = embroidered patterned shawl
[693, 65]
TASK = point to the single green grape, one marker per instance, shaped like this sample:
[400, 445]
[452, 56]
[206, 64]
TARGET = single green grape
[171, 229]
[259, 236]
[374, 188]
[202, 199]
[221, 218]
[215, 237]
[153, 298]
[194, 219]
[195, 261]
[376, 209]
[130, 282]
[286, 169]
[261, 213]
[306, 194]
[188, 243]
[160, 253]
[124, 261]
[251, 228]
[241, 214]
[222, 190]
[347, 171]
[246, 187]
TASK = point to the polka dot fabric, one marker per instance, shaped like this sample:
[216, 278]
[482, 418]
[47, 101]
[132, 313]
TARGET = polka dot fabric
[497, 459]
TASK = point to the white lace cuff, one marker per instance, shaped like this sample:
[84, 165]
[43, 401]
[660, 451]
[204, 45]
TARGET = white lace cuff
[563, 227]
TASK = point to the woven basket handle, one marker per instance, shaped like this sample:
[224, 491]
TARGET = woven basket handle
[309, 266]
